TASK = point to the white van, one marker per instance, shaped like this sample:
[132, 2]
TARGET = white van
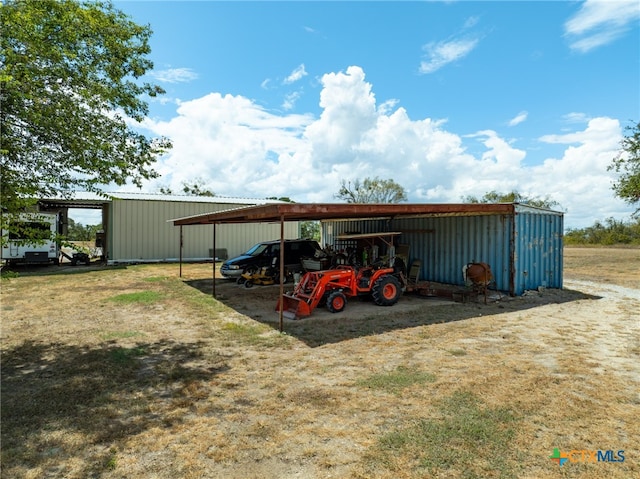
[17, 249]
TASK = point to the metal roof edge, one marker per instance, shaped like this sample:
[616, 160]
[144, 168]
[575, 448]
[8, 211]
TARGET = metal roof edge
[342, 211]
[86, 198]
[524, 208]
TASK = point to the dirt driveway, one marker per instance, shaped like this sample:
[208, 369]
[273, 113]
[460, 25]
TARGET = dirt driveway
[132, 372]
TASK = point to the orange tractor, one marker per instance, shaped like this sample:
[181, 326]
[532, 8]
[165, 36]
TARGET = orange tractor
[332, 287]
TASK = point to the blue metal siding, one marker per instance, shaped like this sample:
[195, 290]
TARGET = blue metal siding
[538, 251]
[447, 244]
[524, 250]
[444, 244]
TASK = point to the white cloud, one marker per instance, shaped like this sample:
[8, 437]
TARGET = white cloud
[174, 75]
[297, 74]
[576, 117]
[519, 118]
[240, 149]
[471, 22]
[440, 54]
[290, 100]
[600, 22]
[579, 180]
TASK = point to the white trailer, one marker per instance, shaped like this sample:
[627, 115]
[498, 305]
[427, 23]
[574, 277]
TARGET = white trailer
[42, 247]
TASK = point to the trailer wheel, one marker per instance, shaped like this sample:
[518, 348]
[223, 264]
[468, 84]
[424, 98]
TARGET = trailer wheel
[336, 301]
[386, 291]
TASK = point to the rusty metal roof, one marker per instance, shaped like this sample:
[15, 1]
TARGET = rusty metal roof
[273, 213]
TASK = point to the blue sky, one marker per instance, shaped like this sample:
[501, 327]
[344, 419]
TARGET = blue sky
[447, 98]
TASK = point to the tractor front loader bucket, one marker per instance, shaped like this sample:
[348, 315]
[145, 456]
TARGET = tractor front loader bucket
[293, 308]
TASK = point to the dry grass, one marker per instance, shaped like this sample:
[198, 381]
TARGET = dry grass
[607, 265]
[132, 372]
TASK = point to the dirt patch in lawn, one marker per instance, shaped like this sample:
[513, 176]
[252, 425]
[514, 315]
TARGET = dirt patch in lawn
[134, 372]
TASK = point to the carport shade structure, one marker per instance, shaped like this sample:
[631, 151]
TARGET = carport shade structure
[280, 213]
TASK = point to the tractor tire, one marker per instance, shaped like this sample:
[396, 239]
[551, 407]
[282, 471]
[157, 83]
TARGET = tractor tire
[248, 284]
[336, 301]
[241, 280]
[386, 291]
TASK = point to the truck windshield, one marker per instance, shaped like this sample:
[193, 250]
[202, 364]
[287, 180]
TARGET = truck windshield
[257, 250]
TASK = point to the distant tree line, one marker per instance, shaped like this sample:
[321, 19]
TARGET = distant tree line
[609, 232]
[513, 197]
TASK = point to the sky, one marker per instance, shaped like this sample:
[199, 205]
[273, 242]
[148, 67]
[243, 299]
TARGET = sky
[448, 99]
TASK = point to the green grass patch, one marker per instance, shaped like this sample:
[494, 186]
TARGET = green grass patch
[156, 279]
[126, 356]
[469, 440]
[458, 352]
[396, 381]
[255, 335]
[111, 461]
[8, 274]
[145, 297]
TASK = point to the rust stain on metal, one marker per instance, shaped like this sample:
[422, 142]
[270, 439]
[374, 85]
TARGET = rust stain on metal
[322, 211]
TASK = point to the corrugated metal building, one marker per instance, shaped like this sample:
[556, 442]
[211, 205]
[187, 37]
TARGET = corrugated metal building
[521, 244]
[137, 226]
[523, 249]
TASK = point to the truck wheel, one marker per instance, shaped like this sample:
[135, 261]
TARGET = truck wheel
[386, 291]
[336, 301]
[251, 269]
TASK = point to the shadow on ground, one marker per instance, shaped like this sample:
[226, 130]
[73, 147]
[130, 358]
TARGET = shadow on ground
[54, 394]
[362, 317]
[27, 270]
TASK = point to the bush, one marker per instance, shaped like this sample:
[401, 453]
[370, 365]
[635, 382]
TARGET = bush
[612, 232]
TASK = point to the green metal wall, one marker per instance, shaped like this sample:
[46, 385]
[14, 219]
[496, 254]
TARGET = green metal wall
[139, 231]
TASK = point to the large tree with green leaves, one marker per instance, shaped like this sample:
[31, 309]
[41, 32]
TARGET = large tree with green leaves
[513, 197]
[371, 190]
[70, 80]
[627, 164]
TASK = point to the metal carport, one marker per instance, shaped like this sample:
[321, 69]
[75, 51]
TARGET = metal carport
[281, 213]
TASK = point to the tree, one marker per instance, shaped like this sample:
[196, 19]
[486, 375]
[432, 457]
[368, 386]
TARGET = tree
[79, 232]
[310, 230]
[197, 188]
[513, 197]
[371, 191]
[627, 163]
[610, 232]
[69, 85]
